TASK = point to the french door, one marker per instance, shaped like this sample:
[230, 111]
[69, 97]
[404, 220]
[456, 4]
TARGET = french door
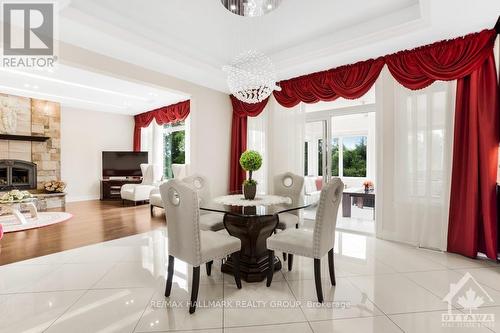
[317, 150]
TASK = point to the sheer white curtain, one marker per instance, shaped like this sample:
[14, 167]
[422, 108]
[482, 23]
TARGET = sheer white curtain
[257, 133]
[287, 132]
[278, 133]
[152, 142]
[415, 136]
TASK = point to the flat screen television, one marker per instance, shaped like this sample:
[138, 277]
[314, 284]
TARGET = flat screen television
[123, 163]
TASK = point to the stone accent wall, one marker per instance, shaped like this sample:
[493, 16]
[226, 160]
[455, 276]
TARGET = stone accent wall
[20, 109]
[33, 117]
[46, 121]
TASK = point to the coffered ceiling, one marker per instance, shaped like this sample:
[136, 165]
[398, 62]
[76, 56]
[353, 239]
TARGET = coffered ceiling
[192, 40]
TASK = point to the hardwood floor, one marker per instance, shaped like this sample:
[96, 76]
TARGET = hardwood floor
[93, 222]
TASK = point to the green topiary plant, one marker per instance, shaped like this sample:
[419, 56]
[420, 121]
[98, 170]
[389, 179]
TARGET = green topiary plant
[251, 161]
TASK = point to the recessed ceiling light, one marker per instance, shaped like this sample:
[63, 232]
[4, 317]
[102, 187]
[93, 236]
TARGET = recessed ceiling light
[269, 6]
[26, 85]
[35, 87]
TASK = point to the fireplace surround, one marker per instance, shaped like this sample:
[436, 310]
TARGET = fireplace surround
[17, 174]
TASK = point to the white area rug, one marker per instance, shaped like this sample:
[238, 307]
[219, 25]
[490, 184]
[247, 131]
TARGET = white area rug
[10, 224]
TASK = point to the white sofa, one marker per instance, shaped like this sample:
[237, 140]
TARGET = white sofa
[151, 177]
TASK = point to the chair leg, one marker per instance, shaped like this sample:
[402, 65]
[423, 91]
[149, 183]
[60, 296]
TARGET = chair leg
[290, 261]
[151, 208]
[208, 266]
[270, 272]
[317, 279]
[331, 267]
[194, 289]
[236, 264]
[284, 256]
[170, 275]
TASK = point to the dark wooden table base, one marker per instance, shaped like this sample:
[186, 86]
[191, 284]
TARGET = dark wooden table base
[253, 232]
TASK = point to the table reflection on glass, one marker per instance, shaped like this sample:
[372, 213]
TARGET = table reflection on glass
[252, 221]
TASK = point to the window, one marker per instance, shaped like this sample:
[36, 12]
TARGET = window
[306, 156]
[320, 157]
[174, 138]
[349, 156]
[335, 157]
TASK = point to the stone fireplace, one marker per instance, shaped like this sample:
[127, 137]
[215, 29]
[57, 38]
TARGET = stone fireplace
[26, 162]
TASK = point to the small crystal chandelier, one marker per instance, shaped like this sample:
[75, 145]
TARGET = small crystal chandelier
[251, 77]
[251, 8]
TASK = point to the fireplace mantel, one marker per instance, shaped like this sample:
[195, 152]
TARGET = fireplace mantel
[24, 137]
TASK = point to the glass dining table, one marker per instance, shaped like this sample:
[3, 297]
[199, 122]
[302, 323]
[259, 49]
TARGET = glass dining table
[252, 221]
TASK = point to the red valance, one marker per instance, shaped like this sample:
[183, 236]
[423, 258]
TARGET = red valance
[163, 115]
[445, 61]
[351, 81]
[241, 112]
[469, 59]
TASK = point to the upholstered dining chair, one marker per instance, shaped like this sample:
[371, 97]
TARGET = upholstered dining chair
[312, 243]
[208, 221]
[291, 186]
[179, 171]
[187, 242]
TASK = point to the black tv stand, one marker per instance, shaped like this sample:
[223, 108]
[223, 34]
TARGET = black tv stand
[110, 188]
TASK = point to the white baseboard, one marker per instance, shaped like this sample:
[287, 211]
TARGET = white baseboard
[71, 198]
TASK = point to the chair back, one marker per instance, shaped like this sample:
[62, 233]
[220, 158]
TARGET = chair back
[151, 173]
[182, 213]
[201, 185]
[326, 217]
[290, 185]
[179, 170]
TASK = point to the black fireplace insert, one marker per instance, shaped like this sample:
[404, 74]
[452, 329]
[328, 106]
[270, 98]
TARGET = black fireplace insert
[17, 174]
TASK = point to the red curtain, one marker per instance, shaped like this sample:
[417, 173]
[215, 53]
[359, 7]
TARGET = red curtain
[241, 112]
[473, 211]
[445, 61]
[163, 115]
[351, 82]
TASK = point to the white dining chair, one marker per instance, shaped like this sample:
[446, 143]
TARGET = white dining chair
[190, 244]
[291, 186]
[312, 243]
[208, 220]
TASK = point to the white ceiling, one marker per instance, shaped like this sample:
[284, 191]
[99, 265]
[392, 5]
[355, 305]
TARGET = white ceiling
[82, 89]
[192, 40]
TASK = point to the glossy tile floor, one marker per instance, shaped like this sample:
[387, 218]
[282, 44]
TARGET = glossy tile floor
[117, 286]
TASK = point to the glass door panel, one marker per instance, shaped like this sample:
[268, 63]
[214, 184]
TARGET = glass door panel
[316, 163]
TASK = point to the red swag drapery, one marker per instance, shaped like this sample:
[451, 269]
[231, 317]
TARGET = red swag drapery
[163, 115]
[351, 82]
[473, 213]
[241, 112]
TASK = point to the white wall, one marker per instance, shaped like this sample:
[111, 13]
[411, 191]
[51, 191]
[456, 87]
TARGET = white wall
[210, 116]
[84, 135]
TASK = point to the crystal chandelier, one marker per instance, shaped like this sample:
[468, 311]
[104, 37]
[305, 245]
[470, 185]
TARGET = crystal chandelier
[251, 77]
[251, 8]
